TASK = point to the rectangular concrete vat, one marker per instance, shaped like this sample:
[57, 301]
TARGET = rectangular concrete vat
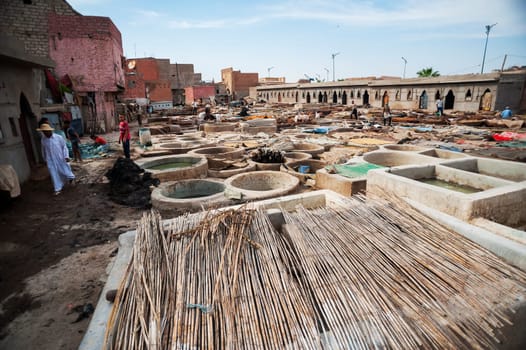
[513, 171]
[500, 200]
[440, 153]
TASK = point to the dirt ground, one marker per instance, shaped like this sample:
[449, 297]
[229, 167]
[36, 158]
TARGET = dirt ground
[53, 253]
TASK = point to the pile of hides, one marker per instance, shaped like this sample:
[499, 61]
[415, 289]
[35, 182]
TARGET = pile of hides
[268, 155]
[130, 184]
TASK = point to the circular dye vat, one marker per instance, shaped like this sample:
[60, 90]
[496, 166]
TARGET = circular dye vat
[405, 148]
[295, 156]
[171, 165]
[303, 169]
[175, 167]
[182, 147]
[189, 194]
[231, 153]
[310, 148]
[226, 173]
[264, 166]
[261, 184]
[190, 138]
[393, 158]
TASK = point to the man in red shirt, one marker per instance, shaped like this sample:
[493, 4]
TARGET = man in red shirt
[124, 136]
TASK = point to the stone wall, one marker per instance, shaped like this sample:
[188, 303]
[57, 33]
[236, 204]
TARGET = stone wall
[27, 22]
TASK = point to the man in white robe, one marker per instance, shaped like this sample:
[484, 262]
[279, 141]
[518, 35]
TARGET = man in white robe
[56, 156]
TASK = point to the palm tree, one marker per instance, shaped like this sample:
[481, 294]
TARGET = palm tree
[427, 72]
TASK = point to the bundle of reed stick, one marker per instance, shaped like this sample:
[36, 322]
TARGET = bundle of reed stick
[363, 275]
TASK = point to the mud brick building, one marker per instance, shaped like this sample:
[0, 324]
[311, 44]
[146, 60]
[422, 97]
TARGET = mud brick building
[238, 84]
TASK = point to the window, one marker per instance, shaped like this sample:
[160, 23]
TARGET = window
[358, 95]
[352, 93]
[409, 95]
[468, 95]
[376, 95]
[397, 96]
[437, 95]
[12, 123]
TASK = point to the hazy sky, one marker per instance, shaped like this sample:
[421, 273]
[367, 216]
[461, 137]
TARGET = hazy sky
[298, 38]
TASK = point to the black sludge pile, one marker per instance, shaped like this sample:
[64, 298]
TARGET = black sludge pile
[130, 184]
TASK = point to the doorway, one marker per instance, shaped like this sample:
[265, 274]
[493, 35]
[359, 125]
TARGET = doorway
[385, 99]
[485, 101]
[423, 100]
[365, 98]
[450, 100]
[344, 98]
[26, 120]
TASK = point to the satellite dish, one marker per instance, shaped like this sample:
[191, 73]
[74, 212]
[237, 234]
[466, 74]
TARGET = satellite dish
[131, 64]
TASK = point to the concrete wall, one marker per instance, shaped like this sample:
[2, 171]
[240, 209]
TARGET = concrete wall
[502, 205]
[511, 92]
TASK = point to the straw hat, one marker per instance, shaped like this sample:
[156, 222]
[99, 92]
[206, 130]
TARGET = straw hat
[45, 127]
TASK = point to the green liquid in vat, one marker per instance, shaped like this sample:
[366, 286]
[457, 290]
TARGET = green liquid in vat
[171, 165]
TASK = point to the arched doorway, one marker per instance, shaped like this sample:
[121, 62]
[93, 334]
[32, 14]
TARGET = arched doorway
[334, 97]
[450, 100]
[485, 101]
[320, 97]
[423, 100]
[27, 118]
[365, 98]
[325, 97]
[279, 96]
[296, 97]
[385, 99]
[308, 97]
[344, 98]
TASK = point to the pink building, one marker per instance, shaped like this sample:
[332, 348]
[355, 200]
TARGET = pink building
[89, 50]
[200, 93]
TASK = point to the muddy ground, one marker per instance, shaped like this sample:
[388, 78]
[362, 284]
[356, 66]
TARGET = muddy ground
[53, 254]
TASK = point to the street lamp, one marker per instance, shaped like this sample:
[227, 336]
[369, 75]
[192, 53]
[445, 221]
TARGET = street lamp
[488, 28]
[333, 72]
[327, 70]
[405, 64]
[269, 69]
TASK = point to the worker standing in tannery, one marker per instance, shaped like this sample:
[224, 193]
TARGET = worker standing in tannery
[56, 156]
